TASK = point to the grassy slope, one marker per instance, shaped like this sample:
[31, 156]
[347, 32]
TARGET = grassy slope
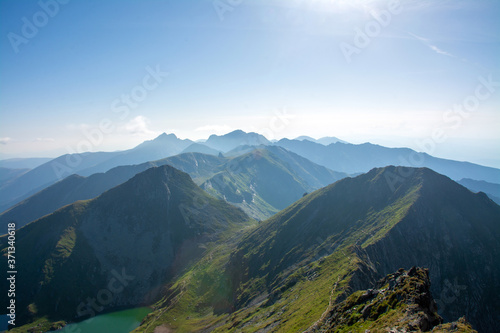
[265, 181]
[271, 280]
[63, 251]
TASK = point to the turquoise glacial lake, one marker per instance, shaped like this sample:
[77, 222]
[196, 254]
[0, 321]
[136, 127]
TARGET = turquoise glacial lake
[113, 322]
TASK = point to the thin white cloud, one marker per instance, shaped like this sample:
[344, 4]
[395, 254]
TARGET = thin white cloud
[139, 126]
[431, 46]
[5, 140]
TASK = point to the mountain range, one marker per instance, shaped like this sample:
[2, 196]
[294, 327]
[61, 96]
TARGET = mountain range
[204, 265]
[241, 181]
[492, 190]
[337, 156]
[266, 180]
[353, 159]
[86, 164]
[327, 140]
[75, 187]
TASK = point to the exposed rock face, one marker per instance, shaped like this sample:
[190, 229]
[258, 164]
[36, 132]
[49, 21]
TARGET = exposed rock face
[400, 302]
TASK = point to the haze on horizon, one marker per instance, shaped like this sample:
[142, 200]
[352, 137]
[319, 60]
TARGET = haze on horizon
[386, 72]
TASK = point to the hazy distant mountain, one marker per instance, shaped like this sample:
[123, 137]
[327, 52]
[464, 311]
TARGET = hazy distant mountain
[46, 175]
[352, 159]
[268, 179]
[86, 164]
[340, 157]
[234, 139]
[23, 163]
[243, 149]
[287, 273]
[297, 176]
[138, 235]
[75, 187]
[327, 140]
[163, 146]
[201, 148]
[7, 175]
[492, 190]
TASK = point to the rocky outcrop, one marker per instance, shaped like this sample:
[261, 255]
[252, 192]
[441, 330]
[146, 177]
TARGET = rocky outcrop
[400, 302]
[455, 234]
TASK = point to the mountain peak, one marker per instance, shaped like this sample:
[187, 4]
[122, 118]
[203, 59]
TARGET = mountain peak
[235, 139]
[384, 217]
[161, 212]
[236, 132]
[164, 136]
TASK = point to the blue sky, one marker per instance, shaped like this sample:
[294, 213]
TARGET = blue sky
[282, 68]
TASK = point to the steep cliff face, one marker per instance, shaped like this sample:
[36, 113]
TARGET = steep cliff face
[118, 249]
[456, 234]
[400, 302]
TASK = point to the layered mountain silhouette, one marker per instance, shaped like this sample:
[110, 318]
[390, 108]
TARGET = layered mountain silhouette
[201, 148]
[284, 274]
[157, 233]
[242, 181]
[234, 139]
[137, 235]
[86, 164]
[163, 146]
[75, 187]
[492, 190]
[353, 159]
[23, 163]
[337, 156]
[8, 175]
[266, 180]
[327, 140]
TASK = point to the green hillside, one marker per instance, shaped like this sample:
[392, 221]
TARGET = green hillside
[266, 180]
[149, 229]
[205, 266]
[284, 274]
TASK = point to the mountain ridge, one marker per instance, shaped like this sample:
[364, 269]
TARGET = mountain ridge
[168, 219]
[76, 187]
[353, 159]
[341, 157]
[204, 169]
[279, 276]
